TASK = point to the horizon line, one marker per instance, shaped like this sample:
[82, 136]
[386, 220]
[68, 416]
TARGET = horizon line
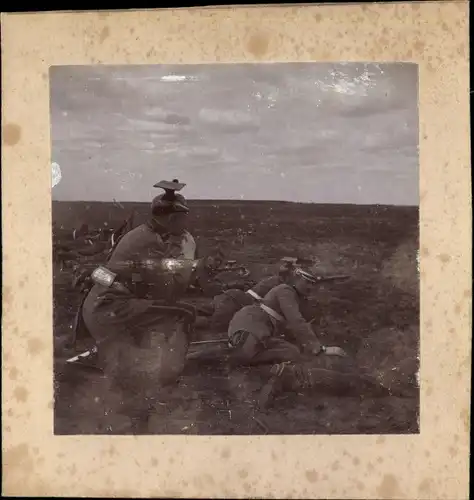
[201, 200]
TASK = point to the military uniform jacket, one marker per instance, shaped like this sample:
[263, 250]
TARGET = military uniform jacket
[285, 302]
[109, 311]
[266, 284]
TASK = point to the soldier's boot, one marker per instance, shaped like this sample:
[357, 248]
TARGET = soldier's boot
[296, 377]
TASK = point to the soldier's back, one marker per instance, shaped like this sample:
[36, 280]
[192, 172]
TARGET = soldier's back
[265, 285]
[140, 242]
[281, 290]
[283, 295]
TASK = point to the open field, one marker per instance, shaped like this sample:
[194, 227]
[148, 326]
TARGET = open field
[375, 316]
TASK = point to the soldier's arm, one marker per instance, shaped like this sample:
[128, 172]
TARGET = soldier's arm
[295, 322]
[129, 258]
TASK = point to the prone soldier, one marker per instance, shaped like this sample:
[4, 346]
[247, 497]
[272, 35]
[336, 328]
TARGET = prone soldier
[255, 332]
[258, 334]
[226, 304]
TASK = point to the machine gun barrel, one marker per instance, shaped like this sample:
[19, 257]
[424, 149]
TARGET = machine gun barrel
[340, 277]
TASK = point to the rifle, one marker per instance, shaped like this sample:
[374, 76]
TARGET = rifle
[341, 277]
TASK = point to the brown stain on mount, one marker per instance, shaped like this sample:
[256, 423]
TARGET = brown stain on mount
[21, 477]
[104, 34]
[11, 134]
[419, 46]
[464, 415]
[35, 346]
[17, 458]
[243, 473]
[258, 44]
[389, 487]
[444, 258]
[7, 295]
[425, 487]
[311, 475]
[20, 394]
[424, 251]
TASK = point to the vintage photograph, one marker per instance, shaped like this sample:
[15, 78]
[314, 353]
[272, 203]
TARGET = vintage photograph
[235, 249]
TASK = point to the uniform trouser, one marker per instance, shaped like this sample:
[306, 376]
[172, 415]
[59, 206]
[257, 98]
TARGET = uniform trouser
[223, 314]
[139, 367]
[247, 348]
[224, 309]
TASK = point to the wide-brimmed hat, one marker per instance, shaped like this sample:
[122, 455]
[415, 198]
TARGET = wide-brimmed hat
[173, 185]
[169, 202]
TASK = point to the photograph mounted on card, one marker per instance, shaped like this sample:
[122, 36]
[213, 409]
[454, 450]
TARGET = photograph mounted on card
[260, 161]
[236, 256]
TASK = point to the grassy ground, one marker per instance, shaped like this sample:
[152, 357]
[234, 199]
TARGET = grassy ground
[375, 317]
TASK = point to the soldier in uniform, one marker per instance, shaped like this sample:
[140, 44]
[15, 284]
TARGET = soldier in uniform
[255, 332]
[230, 301]
[134, 314]
[258, 334]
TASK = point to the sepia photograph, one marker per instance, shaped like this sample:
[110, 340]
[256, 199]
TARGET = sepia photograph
[235, 249]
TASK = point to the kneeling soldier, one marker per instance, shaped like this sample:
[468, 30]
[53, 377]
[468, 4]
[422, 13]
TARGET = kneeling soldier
[134, 314]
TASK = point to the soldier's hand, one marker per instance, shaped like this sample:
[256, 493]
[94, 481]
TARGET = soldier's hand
[335, 351]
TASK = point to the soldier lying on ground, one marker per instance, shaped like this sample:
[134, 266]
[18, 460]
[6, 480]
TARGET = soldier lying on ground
[226, 304]
[138, 322]
[255, 332]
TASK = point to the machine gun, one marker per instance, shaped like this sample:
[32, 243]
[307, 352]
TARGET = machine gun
[340, 277]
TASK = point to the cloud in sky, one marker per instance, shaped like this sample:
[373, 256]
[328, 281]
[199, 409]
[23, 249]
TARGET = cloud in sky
[310, 132]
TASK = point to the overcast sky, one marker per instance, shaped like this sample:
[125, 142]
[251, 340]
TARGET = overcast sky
[315, 132]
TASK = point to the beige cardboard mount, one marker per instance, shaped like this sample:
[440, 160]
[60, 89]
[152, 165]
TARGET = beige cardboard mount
[433, 464]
